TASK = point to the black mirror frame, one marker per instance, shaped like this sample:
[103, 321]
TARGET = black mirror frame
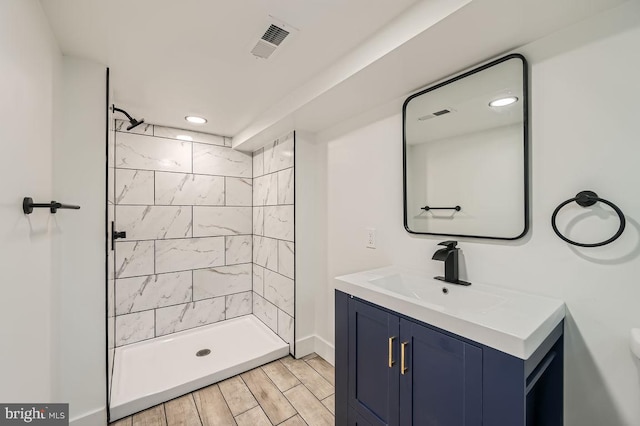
[525, 108]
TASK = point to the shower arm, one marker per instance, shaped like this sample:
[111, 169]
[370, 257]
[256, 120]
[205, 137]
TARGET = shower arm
[122, 111]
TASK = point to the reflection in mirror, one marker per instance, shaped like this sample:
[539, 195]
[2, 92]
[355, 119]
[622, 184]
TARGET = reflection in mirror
[465, 154]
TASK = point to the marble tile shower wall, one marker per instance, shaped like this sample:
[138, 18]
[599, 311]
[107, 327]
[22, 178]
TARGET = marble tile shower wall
[186, 207]
[274, 237]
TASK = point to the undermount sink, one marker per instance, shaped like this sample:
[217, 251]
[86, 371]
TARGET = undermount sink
[510, 321]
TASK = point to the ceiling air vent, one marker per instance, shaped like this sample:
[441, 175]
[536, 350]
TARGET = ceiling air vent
[271, 39]
[436, 114]
[275, 35]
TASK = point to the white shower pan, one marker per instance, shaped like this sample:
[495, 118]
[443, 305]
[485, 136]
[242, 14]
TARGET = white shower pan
[157, 370]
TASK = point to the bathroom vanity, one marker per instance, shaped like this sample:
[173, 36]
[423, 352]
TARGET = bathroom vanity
[411, 350]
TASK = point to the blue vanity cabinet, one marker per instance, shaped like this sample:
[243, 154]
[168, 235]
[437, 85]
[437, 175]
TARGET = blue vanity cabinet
[442, 379]
[373, 374]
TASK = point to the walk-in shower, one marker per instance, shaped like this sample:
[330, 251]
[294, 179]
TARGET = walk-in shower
[201, 278]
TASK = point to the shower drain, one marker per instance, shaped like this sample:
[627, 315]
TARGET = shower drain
[203, 352]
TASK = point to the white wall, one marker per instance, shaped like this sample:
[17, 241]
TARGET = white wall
[583, 136]
[30, 63]
[52, 135]
[79, 177]
[311, 243]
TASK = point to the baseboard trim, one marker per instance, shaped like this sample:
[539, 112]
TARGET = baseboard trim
[305, 346]
[326, 350]
[317, 344]
[93, 418]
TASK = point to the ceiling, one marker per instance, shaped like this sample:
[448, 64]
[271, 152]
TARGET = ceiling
[351, 62]
[169, 59]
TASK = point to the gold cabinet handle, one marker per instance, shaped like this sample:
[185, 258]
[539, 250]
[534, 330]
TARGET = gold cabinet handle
[391, 361]
[403, 367]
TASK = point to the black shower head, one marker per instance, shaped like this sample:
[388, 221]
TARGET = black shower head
[133, 121]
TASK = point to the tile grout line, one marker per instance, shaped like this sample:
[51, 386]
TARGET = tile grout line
[274, 385]
[225, 398]
[196, 406]
[239, 376]
[187, 270]
[210, 236]
[307, 387]
[164, 409]
[320, 374]
[182, 172]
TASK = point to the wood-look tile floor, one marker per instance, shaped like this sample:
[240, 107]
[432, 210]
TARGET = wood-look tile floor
[285, 392]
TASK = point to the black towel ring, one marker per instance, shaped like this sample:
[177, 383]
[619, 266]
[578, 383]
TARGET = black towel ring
[586, 199]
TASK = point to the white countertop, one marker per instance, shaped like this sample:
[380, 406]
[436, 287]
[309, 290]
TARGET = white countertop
[510, 321]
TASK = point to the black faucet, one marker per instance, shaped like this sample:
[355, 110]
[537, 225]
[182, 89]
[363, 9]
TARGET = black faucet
[449, 256]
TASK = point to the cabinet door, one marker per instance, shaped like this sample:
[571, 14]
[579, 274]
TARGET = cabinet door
[373, 385]
[442, 383]
[356, 419]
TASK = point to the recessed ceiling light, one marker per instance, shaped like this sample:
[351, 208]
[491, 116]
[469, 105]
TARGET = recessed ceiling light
[195, 120]
[184, 138]
[503, 101]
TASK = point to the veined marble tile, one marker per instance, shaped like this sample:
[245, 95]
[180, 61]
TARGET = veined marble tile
[143, 129]
[134, 187]
[190, 315]
[153, 291]
[265, 311]
[258, 163]
[222, 161]
[151, 153]
[221, 281]
[172, 133]
[285, 328]
[286, 259]
[279, 290]
[134, 258]
[278, 222]
[265, 252]
[238, 191]
[189, 189]
[238, 249]
[258, 220]
[239, 304]
[133, 328]
[279, 154]
[190, 253]
[154, 222]
[286, 186]
[265, 190]
[213, 221]
[258, 279]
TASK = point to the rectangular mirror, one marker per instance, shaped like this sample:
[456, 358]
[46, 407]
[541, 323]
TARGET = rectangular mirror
[465, 153]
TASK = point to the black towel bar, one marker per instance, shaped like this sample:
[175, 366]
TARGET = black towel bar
[28, 205]
[427, 208]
